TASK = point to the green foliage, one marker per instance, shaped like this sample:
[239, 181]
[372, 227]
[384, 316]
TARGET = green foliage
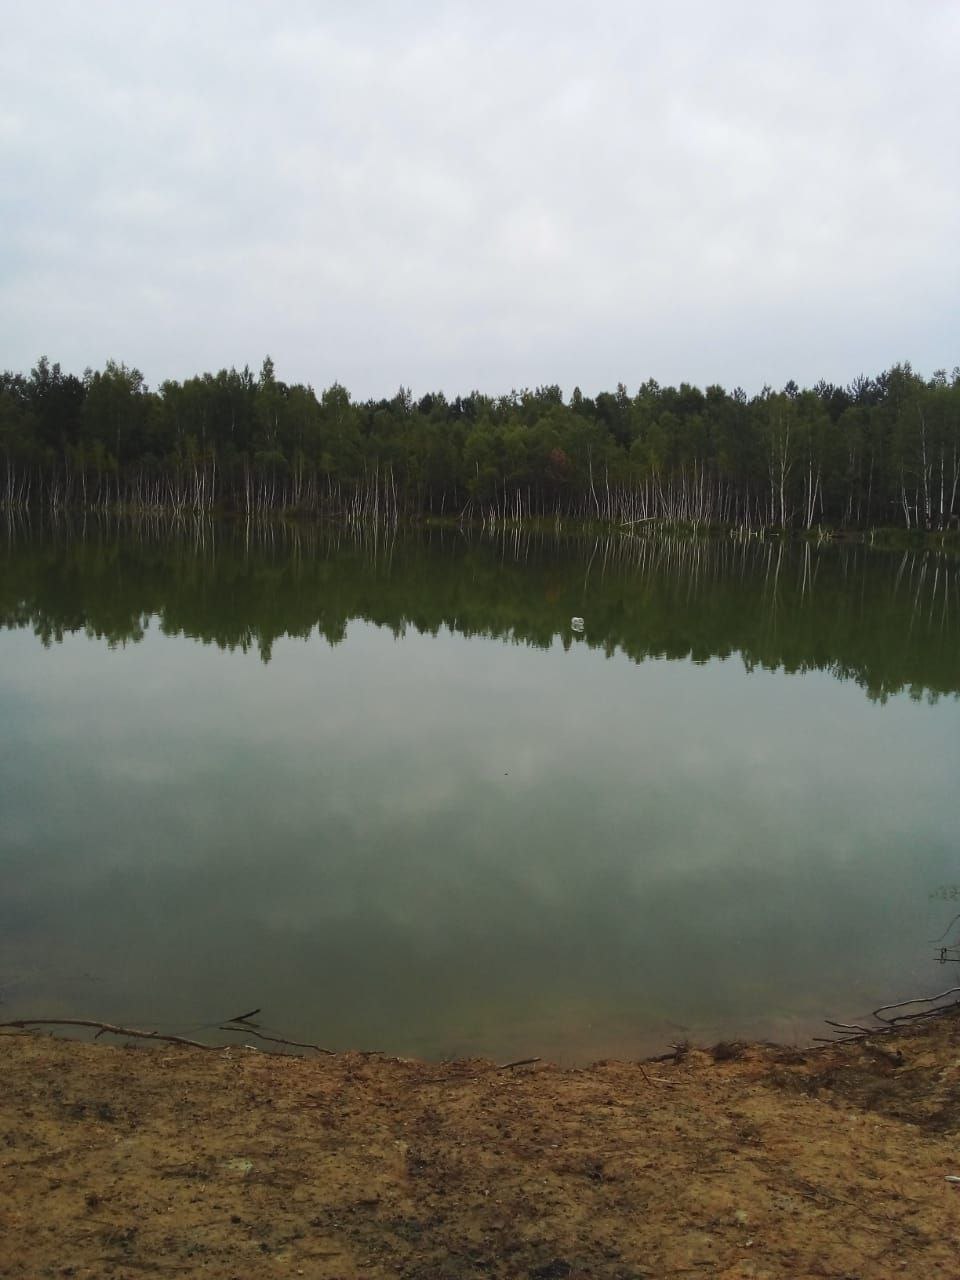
[881, 451]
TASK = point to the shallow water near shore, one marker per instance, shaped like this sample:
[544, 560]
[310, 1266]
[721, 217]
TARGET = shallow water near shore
[380, 788]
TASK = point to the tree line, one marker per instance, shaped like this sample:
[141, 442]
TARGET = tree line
[881, 451]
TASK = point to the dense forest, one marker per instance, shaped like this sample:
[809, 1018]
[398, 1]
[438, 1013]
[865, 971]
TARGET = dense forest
[879, 452]
[887, 621]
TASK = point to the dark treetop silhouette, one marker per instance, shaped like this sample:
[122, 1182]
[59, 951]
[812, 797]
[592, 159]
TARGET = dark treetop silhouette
[880, 451]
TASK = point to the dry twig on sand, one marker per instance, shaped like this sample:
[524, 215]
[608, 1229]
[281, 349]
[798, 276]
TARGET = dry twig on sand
[294, 1044]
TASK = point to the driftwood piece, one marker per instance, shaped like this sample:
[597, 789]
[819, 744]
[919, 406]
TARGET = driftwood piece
[244, 1017]
[658, 1080]
[902, 1004]
[294, 1044]
[134, 1032]
[855, 1033]
[476, 1075]
[110, 1028]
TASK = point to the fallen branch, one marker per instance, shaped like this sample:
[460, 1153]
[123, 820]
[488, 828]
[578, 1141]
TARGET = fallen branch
[947, 929]
[122, 1259]
[888, 1026]
[898, 1023]
[475, 1075]
[658, 1080]
[919, 1000]
[294, 1044]
[244, 1017]
[852, 1026]
[109, 1028]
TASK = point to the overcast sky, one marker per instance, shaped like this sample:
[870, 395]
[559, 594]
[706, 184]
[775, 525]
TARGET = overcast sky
[452, 195]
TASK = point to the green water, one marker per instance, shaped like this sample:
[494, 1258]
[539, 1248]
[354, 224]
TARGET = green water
[380, 788]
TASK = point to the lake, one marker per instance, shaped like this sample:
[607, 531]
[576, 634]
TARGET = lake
[378, 786]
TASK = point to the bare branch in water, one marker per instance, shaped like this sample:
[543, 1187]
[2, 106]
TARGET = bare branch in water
[947, 929]
[919, 1000]
[109, 1028]
[242, 1017]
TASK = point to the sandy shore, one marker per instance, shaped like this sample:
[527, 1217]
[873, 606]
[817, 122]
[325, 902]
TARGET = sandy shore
[761, 1162]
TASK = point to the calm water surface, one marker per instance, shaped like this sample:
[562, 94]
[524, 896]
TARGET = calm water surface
[381, 789]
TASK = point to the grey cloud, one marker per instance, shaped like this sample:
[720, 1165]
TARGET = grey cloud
[452, 196]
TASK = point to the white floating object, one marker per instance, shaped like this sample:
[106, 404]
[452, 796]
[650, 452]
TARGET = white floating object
[576, 624]
[951, 1178]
